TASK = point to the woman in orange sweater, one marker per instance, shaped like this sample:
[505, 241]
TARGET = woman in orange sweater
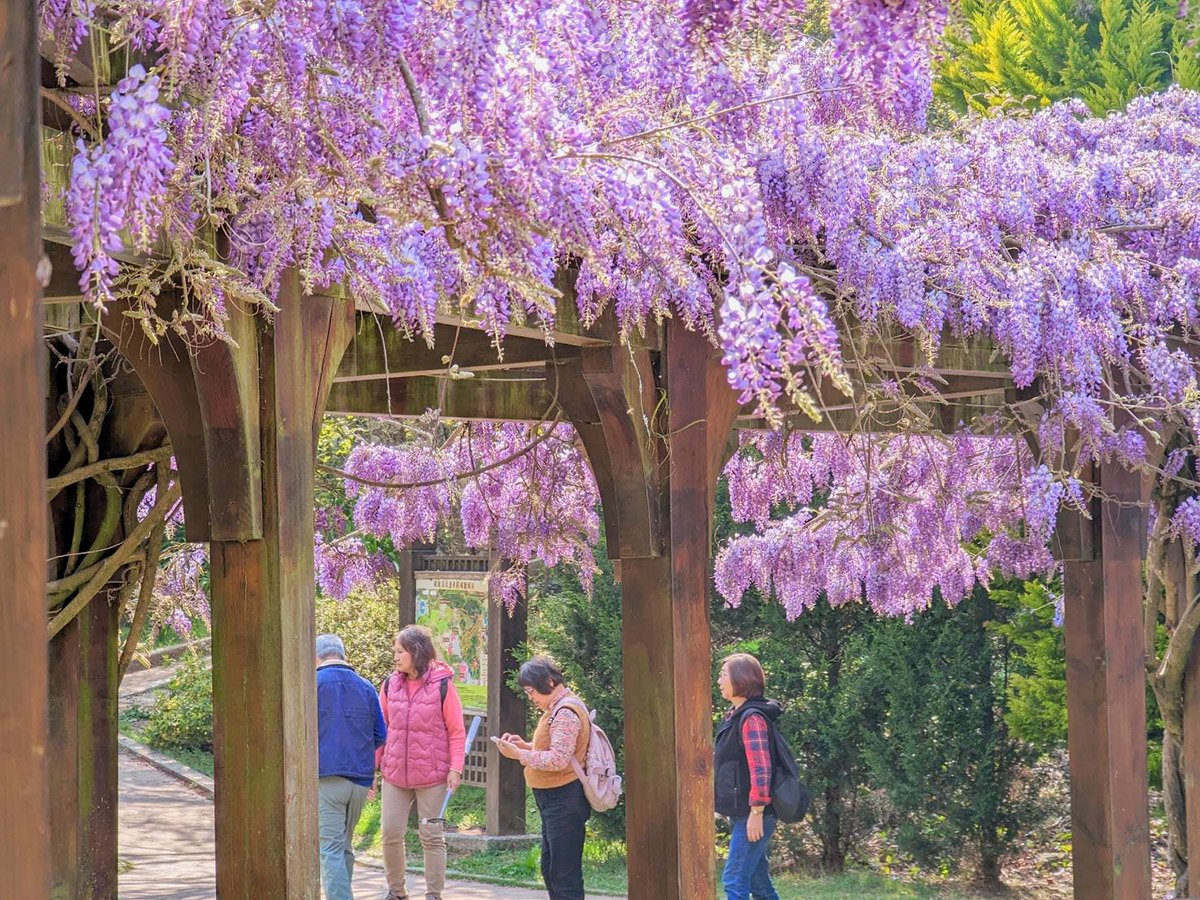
[561, 733]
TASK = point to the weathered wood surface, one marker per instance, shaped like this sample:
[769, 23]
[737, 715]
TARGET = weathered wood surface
[506, 710]
[702, 409]
[164, 368]
[1106, 699]
[657, 476]
[263, 597]
[83, 734]
[379, 350]
[24, 792]
[520, 398]
[1191, 764]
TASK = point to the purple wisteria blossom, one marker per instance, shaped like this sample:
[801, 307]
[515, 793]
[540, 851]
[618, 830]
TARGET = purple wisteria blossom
[120, 184]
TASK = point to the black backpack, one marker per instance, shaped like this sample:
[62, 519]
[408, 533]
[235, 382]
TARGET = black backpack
[789, 795]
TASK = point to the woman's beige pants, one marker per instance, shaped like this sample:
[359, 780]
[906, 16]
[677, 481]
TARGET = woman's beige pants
[393, 819]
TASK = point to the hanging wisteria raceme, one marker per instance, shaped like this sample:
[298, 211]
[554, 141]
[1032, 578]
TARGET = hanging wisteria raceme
[524, 493]
[1070, 243]
[769, 191]
[119, 183]
[883, 519]
[346, 140]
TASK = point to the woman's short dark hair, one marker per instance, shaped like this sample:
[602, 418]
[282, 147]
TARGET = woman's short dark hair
[540, 673]
[746, 677]
[418, 641]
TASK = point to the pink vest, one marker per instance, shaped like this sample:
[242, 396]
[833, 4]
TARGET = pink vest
[417, 752]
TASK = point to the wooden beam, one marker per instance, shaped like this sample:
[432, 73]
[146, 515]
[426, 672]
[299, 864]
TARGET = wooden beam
[652, 833]
[24, 754]
[1106, 699]
[380, 351]
[263, 600]
[658, 496]
[507, 714]
[519, 399]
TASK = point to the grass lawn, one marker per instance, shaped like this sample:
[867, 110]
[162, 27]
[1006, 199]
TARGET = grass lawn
[474, 696]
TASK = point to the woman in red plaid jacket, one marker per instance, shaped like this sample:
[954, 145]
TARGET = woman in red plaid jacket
[743, 777]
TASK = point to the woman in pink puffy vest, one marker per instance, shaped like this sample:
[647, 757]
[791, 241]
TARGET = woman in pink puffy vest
[422, 759]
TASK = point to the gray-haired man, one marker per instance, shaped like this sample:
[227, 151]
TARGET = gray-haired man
[349, 729]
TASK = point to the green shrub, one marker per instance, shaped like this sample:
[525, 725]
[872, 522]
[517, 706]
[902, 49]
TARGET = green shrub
[183, 715]
[366, 622]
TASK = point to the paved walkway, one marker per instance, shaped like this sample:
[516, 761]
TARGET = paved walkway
[166, 842]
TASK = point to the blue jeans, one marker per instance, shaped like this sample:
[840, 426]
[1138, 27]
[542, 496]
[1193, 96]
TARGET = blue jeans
[341, 804]
[747, 873]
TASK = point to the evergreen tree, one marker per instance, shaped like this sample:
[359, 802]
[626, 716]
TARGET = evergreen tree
[955, 776]
[1035, 52]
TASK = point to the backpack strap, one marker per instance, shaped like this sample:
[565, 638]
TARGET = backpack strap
[580, 709]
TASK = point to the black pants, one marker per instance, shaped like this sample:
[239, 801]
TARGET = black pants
[564, 812]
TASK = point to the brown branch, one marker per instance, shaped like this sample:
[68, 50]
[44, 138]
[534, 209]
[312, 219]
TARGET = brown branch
[459, 476]
[76, 116]
[435, 193]
[144, 458]
[72, 401]
[721, 112]
[105, 571]
[1129, 229]
[146, 591]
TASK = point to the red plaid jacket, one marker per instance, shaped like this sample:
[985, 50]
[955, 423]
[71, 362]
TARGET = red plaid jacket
[756, 740]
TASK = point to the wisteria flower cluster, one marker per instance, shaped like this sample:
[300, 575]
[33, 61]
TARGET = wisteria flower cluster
[463, 154]
[120, 184]
[881, 519]
[522, 492]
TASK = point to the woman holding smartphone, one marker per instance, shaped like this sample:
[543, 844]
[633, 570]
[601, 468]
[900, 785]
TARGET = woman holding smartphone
[562, 733]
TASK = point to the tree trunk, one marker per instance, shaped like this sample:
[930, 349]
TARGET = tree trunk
[832, 834]
[1176, 812]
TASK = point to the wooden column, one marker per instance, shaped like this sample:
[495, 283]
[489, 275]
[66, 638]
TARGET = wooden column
[263, 604]
[658, 518]
[1106, 699]
[506, 714]
[406, 591]
[24, 813]
[83, 735]
[1191, 764]
[702, 408]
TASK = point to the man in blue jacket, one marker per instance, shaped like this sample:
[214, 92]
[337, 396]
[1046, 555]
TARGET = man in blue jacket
[349, 729]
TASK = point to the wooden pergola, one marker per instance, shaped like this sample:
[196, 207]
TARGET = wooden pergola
[655, 416]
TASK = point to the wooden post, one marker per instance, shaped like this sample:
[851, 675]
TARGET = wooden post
[1191, 764]
[83, 733]
[660, 529]
[506, 713]
[263, 604]
[1106, 698]
[24, 797]
[407, 591]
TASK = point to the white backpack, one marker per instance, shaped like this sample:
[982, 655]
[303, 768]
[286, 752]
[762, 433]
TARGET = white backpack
[599, 777]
